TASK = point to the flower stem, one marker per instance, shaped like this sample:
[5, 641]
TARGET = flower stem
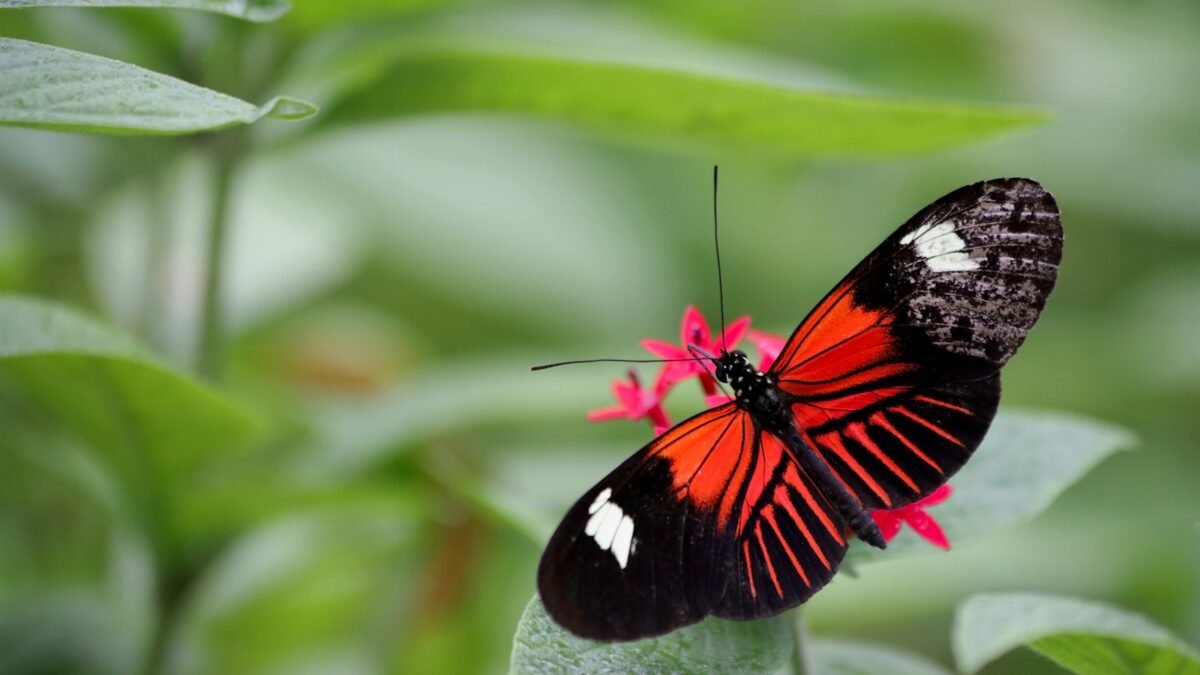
[211, 328]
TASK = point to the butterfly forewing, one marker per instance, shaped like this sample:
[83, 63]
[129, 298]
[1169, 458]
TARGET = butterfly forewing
[893, 376]
[648, 549]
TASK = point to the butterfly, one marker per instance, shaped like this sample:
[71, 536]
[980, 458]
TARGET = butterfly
[881, 393]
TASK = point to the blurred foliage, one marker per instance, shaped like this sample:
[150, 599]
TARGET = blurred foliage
[496, 184]
[1085, 637]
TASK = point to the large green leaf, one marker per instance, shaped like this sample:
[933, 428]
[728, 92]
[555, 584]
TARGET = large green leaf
[254, 10]
[1082, 636]
[1024, 463]
[674, 107]
[153, 426]
[712, 646]
[53, 88]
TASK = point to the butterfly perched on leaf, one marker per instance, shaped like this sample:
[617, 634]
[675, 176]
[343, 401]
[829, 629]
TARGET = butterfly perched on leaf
[881, 393]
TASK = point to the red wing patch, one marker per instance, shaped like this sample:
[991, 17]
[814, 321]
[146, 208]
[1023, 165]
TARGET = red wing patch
[824, 335]
[710, 456]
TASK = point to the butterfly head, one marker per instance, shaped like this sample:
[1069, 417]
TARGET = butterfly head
[730, 365]
[751, 387]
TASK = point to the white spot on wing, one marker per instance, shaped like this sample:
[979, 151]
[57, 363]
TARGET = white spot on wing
[611, 529]
[941, 248]
[594, 523]
[608, 526]
[623, 542]
[600, 500]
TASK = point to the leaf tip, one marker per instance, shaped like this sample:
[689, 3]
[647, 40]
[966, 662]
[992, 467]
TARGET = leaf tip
[288, 108]
[269, 10]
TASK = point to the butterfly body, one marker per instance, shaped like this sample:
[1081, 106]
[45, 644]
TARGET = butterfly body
[880, 394]
[768, 406]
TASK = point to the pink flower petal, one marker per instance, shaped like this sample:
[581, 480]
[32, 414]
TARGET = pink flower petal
[937, 497]
[694, 328]
[635, 403]
[664, 350]
[658, 417]
[924, 524]
[769, 346]
[604, 414]
[889, 524]
[715, 400]
[671, 375]
[628, 395]
[734, 332]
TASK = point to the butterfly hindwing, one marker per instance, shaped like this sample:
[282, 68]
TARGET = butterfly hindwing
[903, 447]
[893, 377]
[648, 549]
[789, 538]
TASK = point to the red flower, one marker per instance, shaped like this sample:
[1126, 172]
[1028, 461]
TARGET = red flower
[769, 346]
[714, 400]
[634, 404]
[694, 331]
[914, 514]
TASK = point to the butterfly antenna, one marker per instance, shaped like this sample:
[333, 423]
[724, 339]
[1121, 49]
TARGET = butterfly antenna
[714, 361]
[571, 363]
[704, 356]
[717, 247]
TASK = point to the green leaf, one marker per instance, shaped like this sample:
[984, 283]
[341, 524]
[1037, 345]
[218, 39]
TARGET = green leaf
[840, 657]
[712, 646]
[1082, 636]
[154, 427]
[313, 16]
[674, 107]
[53, 88]
[1026, 461]
[253, 10]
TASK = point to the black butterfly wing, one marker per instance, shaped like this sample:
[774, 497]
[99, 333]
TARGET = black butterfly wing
[894, 376]
[648, 549]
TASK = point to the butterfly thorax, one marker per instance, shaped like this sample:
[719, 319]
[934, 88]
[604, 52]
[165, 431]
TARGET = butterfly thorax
[755, 391]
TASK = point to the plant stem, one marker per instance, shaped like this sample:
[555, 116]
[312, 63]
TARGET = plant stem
[211, 328]
[800, 639]
[171, 593]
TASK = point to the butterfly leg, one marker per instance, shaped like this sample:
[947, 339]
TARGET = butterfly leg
[848, 506]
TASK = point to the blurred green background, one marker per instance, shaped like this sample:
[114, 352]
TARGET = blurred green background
[394, 270]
